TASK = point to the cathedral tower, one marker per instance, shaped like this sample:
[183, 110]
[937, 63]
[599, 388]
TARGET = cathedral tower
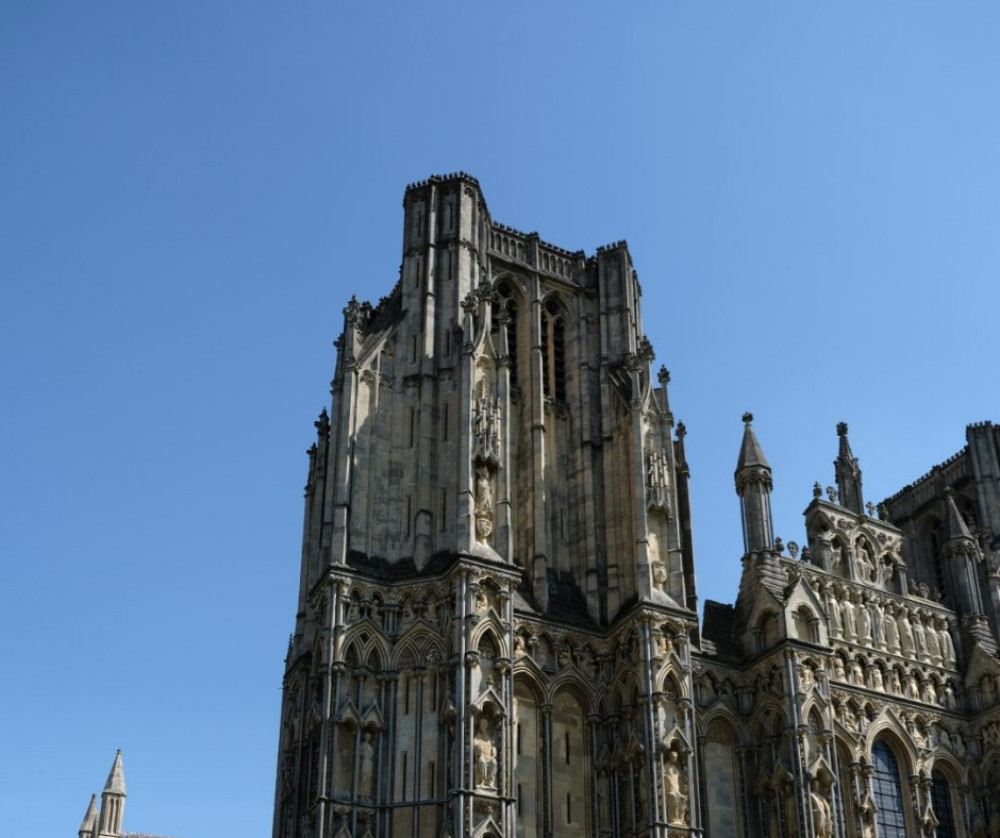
[497, 584]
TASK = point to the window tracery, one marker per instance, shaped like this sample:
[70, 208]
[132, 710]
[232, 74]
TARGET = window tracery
[887, 792]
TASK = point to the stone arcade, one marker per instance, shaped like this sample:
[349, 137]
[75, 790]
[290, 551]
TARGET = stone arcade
[497, 629]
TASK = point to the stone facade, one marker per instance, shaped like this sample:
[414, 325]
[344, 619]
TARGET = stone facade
[497, 632]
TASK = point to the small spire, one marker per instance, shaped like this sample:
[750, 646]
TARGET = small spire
[753, 485]
[848, 473]
[957, 528]
[116, 779]
[751, 454]
[90, 819]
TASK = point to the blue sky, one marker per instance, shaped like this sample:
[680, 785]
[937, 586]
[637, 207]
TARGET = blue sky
[190, 192]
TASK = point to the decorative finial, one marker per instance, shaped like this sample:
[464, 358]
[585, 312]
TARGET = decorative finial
[793, 549]
[748, 417]
[817, 490]
[841, 429]
[681, 430]
[871, 509]
[831, 493]
[663, 375]
[779, 545]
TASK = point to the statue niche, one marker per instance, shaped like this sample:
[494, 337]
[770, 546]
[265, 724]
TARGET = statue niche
[484, 755]
[486, 451]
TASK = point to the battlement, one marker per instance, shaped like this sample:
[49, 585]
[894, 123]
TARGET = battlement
[529, 249]
[436, 179]
[922, 489]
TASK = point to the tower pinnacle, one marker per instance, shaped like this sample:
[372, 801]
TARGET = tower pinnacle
[753, 485]
[848, 474]
[89, 819]
[113, 800]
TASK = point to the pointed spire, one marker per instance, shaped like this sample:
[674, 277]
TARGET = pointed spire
[957, 528]
[751, 454]
[116, 778]
[90, 819]
[848, 474]
[753, 485]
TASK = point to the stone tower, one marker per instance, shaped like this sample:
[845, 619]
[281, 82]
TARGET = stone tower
[497, 587]
[497, 633]
[107, 821]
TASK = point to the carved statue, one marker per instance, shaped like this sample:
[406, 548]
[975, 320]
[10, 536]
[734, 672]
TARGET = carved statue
[836, 626]
[822, 815]
[894, 685]
[878, 619]
[891, 630]
[864, 624]
[366, 767]
[920, 638]
[848, 617]
[864, 564]
[659, 581]
[837, 557]
[675, 790]
[906, 644]
[877, 681]
[838, 668]
[484, 504]
[933, 642]
[947, 644]
[484, 751]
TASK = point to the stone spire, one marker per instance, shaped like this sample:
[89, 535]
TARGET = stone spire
[113, 800]
[958, 530]
[848, 474]
[90, 819]
[753, 485]
[961, 552]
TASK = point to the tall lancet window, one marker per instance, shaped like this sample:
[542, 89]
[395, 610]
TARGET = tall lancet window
[888, 792]
[506, 308]
[941, 801]
[554, 351]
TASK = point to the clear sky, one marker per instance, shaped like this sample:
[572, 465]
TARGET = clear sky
[191, 191]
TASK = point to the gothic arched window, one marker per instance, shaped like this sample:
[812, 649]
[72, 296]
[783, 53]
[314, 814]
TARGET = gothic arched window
[554, 351]
[506, 308]
[888, 792]
[943, 810]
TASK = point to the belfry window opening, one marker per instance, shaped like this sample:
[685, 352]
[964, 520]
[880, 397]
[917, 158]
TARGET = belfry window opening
[507, 306]
[553, 352]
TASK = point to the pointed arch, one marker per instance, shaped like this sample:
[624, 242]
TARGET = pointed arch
[721, 796]
[571, 681]
[554, 317]
[570, 760]
[508, 305]
[892, 814]
[528, 697]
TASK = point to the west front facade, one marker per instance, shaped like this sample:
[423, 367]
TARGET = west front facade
[497, 630]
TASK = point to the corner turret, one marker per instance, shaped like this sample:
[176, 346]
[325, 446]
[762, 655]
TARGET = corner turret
[113, 801]
[753, 485]
[89, 826]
